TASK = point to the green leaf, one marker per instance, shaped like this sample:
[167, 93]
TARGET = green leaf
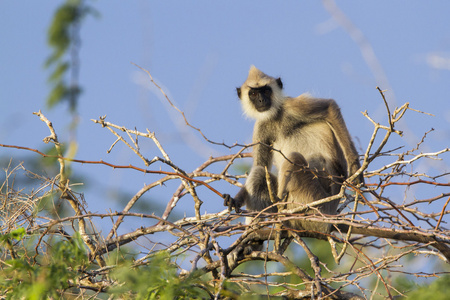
[58, 73]
[16, 234]
[157, 280]
[59, 30]
[57, 94]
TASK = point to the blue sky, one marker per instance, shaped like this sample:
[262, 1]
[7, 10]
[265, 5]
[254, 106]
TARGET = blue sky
[199, 51]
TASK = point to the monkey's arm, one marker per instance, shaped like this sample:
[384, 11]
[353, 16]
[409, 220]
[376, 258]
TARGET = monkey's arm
[254, 181]
[255, 194]
[313, 109]
[238, 201]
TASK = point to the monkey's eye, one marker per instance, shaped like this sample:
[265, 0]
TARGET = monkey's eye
[267, 92]
[252, 93]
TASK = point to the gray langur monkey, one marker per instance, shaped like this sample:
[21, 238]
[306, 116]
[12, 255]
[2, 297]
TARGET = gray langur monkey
[307, 140]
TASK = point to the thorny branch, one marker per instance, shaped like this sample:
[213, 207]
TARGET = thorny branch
[386, 226]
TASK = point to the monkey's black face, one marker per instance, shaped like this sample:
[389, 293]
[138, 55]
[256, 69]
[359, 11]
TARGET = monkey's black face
[261, 97]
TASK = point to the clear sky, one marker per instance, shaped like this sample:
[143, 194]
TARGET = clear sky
[199, 51]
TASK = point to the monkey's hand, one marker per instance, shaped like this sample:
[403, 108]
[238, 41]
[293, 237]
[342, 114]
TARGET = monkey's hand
[231, 203]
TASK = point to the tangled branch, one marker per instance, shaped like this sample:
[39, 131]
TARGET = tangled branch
[374, 235]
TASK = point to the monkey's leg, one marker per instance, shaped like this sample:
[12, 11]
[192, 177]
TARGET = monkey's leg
[298, 184]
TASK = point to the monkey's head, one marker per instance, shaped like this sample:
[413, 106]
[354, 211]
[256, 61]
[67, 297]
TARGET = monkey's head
[261, 95]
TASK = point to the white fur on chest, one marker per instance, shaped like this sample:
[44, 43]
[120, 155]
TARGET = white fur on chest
[312, 141]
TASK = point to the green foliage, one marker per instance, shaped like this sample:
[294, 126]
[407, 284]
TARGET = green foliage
[62, 36]
[16, 234]
[438, 290]
[42, 277]
[58, 93]
[157, 280]
[59, 36]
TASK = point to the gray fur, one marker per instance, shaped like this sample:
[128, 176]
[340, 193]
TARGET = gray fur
[292, 134]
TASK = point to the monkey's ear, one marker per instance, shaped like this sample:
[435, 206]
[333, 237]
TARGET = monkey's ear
[238, 90]
[280, 84]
